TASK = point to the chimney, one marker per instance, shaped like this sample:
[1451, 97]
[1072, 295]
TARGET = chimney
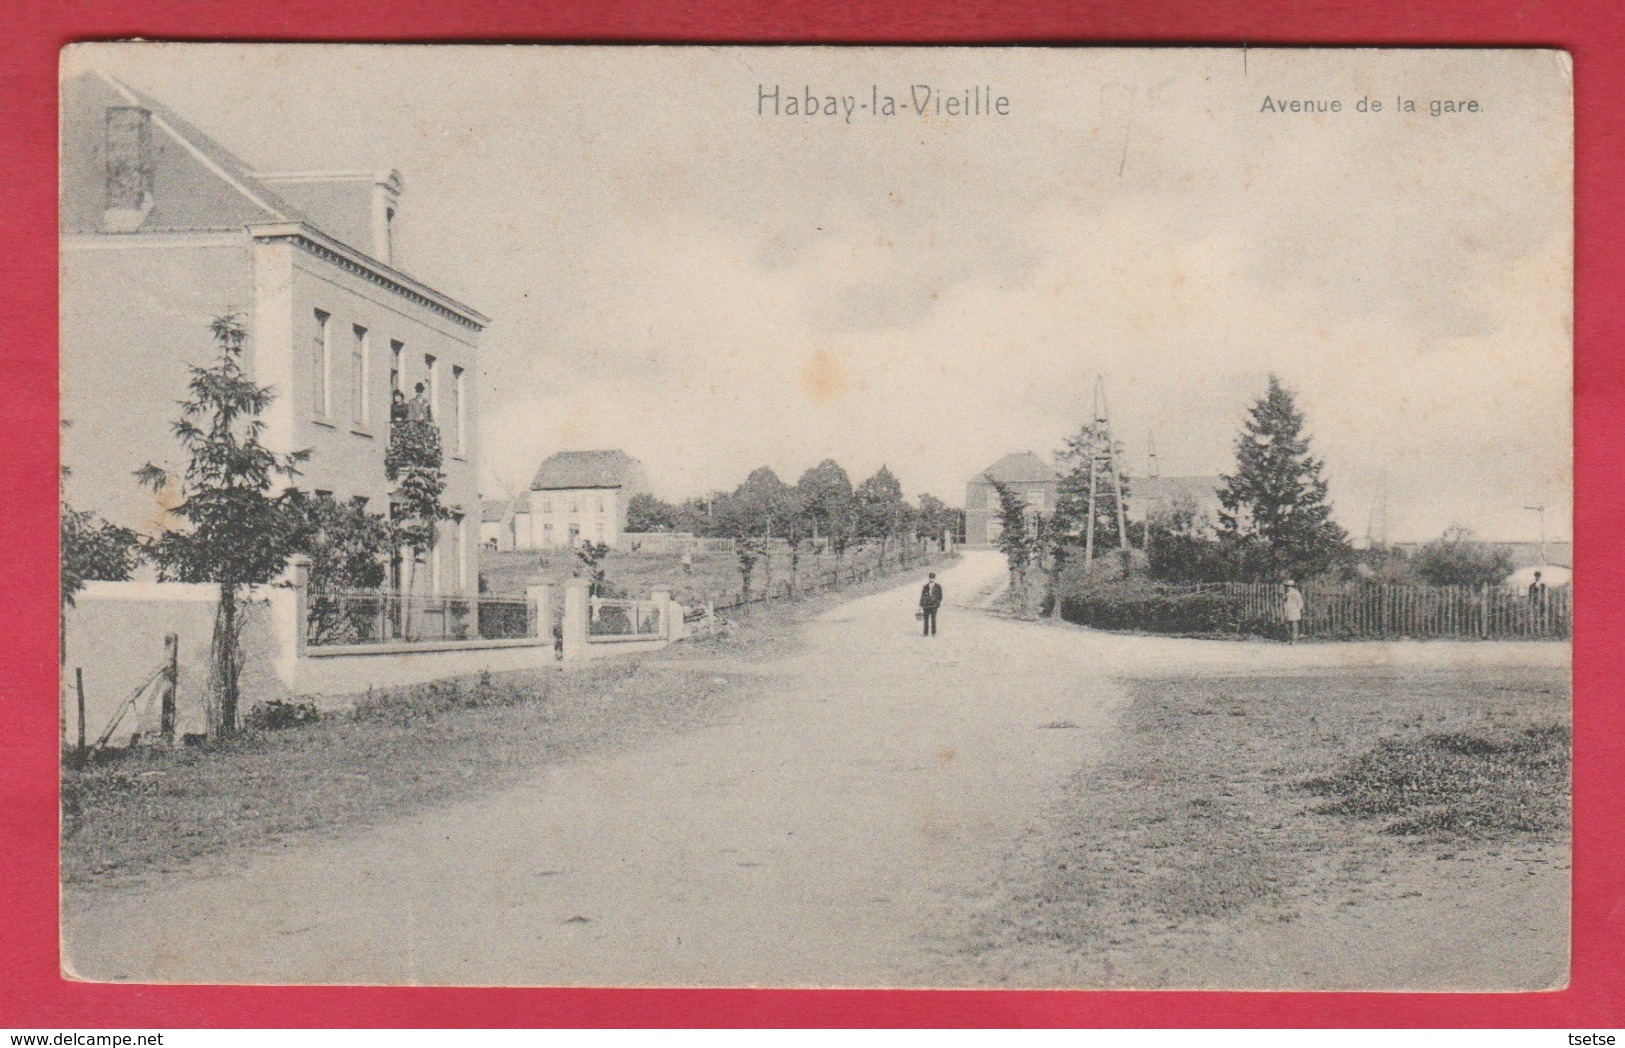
[129, 169]
[386, 200]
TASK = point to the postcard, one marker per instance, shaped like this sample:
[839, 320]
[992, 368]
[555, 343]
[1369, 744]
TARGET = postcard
[1091, 518]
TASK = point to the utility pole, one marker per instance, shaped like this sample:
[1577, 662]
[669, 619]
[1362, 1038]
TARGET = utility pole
[1102, 468]
[1541, 509]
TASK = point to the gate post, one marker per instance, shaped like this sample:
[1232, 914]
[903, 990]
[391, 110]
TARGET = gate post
[577, 596]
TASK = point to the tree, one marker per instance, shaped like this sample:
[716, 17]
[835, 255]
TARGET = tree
[826, 492]
[935, 519]
[412, 462]
[1455, 559]
[880, 510]
[1275, 506]
[753, 516]
[796, 529]
[349, 548]
[238, 535]
[1072, 496]
[1015, 539]
[645, 513]
[1181, 546]
[590, 557]
[93, 548]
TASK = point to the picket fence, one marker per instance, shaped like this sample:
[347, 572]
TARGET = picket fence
[1366, 610]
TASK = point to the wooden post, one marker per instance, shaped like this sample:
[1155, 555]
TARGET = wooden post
[166, 697]
[79, 686]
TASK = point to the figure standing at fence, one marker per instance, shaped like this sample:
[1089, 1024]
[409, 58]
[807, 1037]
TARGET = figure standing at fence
[1537, 602]
[1293, 611]
[930, 601]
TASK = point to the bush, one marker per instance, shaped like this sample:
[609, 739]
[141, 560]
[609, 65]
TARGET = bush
[277, 715]
[1121, 601]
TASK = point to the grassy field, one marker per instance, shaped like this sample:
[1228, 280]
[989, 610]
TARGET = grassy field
[132, 815]
[1275, 814]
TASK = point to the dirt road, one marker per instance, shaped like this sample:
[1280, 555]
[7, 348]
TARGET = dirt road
[825, 836]
[814, 841]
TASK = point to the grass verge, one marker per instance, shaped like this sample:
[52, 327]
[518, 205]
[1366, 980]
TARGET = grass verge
[1231, 801]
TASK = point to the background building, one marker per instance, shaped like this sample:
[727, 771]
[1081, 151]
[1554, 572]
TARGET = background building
[1023, 472]
[578, 496]
[1151, 496]
[163, 230]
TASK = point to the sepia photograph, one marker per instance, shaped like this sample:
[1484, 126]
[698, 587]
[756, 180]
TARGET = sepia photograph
[816, 517]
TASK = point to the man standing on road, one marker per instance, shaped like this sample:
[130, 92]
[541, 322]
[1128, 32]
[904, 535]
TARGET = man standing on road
[930, 601]
[1294, 611]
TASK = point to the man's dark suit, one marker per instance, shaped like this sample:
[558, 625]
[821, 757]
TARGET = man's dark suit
[930, 601]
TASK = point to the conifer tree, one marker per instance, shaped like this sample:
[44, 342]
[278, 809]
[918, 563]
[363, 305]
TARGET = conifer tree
[1275, 509]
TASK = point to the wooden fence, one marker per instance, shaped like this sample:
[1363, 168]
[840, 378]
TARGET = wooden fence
[861, 566]
[1364, 610]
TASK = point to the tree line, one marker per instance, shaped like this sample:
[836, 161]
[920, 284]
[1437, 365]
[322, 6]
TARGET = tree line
[823, 510]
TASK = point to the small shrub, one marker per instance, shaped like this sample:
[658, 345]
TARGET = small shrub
[276, 715]
[1127, 604]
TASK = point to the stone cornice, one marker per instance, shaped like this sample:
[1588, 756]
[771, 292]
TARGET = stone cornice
[371, 270]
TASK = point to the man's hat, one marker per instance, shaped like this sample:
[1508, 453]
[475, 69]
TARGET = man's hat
[932, 575]
[1289, 582]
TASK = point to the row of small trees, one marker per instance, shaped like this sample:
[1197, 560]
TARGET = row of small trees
[239, 531]
[823, 509]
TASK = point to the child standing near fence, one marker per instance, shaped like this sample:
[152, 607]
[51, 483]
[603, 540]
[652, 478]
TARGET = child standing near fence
[1293, 611]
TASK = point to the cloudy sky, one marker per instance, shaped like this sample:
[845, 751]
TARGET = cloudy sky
[674, 272]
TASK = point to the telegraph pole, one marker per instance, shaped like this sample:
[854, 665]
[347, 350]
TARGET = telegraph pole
[1541, 509]
[1103, 468]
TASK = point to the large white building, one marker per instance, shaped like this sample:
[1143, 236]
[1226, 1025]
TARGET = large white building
[163, 230]
[576, 497]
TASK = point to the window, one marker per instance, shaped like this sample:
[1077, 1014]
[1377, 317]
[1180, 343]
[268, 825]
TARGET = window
[396, 382]
[321, 367]
[575, 505]
[434, 386]
[457, 408]
[358, 374]
[434, 566]
[600, 504]
[462, 555]
[547, 507]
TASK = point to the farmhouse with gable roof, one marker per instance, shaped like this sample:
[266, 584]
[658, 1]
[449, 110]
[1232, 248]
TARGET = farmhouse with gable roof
[576, 497]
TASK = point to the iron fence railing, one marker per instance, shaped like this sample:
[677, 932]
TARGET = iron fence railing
[365, 617]
[624, 620]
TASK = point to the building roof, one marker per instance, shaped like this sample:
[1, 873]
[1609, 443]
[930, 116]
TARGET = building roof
[1199, 490]
[1020, 467]
[200, 185]
[585, 469]
[493, 511]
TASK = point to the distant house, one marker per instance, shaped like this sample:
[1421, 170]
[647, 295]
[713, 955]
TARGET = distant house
[496, 523]
[1023, 472]
[1149, 496]
[578, 496]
